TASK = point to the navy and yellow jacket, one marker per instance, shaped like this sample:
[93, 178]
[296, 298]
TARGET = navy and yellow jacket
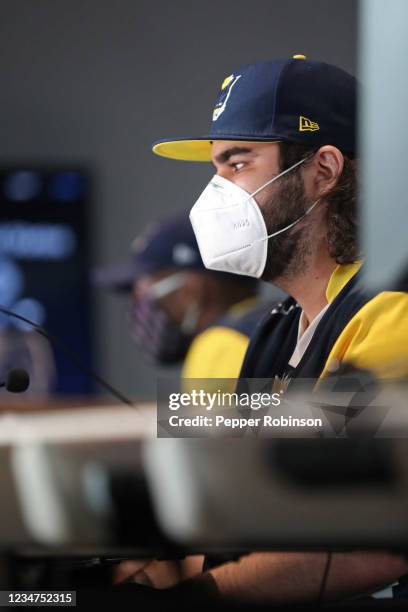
[369, 331]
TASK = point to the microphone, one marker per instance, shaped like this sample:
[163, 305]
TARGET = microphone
[17, 380]
[68, 353]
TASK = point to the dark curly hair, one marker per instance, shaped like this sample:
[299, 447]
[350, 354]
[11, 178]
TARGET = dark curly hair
[342, 220]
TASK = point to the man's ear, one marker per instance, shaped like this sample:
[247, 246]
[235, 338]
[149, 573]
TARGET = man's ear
[328, 163]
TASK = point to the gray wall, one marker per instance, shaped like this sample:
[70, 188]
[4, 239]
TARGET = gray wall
[98, 81]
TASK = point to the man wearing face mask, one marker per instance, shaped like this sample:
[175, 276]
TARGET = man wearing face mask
[180, 312]
[282, 207]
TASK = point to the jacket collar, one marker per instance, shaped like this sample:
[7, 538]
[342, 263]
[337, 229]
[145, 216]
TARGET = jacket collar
[340, 277]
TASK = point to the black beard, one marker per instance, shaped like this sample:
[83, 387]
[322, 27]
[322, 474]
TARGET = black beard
[287, 252]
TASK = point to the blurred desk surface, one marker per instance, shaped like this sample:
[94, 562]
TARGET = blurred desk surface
[56, 420]
[21, 403]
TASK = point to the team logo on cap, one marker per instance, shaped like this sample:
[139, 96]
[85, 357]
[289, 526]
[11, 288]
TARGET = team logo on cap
[306, 125]
[226, 89]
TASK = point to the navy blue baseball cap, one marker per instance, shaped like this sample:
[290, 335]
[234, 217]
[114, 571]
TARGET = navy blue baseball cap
[290, 100]
[168, 243]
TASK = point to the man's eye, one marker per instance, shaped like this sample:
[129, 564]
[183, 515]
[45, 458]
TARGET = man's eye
[238, 165]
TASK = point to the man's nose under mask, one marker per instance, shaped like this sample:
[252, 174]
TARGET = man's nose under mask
[230, 229]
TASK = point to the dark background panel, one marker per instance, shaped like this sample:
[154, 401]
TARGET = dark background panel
[94, 82]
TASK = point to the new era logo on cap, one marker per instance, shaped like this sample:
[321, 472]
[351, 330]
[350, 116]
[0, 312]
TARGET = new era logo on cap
[306, 125]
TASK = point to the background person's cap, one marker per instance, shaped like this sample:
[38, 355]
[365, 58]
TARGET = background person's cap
[293, 100]
[167, 244]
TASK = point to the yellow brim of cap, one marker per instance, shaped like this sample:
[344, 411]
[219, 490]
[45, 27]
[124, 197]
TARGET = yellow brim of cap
[198, 150]
[185, 150]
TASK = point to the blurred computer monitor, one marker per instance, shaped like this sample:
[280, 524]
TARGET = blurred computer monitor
[44, 244]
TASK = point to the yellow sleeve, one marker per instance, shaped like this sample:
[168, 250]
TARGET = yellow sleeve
[217, 352]
[376, 338]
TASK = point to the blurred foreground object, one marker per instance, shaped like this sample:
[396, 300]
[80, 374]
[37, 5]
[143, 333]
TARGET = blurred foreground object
[384, 100]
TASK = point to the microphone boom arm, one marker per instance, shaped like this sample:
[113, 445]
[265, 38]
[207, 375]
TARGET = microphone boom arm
[71, 355]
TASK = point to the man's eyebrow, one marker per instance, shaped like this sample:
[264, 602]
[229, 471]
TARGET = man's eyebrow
[225, 155]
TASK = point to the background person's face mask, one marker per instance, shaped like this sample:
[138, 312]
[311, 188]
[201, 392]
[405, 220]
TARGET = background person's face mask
[230, 229]
[163, 340]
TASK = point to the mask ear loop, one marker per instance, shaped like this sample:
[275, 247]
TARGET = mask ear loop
[275, 178]
[167, 285]
[279, 176]
[309, 210]
[190, 319]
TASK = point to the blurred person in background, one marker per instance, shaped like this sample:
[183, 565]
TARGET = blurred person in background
[182, 313]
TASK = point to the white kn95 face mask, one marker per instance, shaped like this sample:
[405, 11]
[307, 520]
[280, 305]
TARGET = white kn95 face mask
[230, 229]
